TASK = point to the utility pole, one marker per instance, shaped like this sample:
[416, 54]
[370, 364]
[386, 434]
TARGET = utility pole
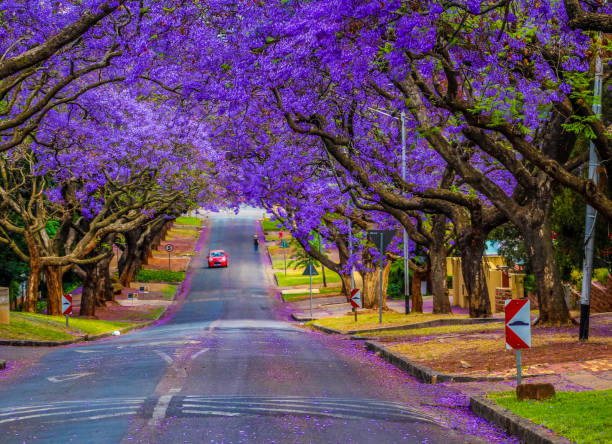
[591, 216]
[405, 243]
[322, 266]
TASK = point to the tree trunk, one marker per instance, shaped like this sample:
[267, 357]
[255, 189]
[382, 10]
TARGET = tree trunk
[370, 293]
[437, 262]
[88, 297]
[472, 243]
[54, 275]
[415, 291]
[346, 285]
[549, 291]
[104, 288]
[130, 259]
[31, 296]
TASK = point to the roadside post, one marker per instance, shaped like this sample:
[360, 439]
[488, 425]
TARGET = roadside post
[381, 238]
[67, 306]
[310, 271]
[356, 300]
[518, 329]
[169, 249]
[284, 245]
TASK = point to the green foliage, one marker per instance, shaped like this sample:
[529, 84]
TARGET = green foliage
[511, 245]
[301, 257]
[395, 286]
[601, 275]
[41, 306]
[576, 278]
[529, 282]
[13, 290]
[449, 281]
[52, 227]
[159, 276]
[582, 417]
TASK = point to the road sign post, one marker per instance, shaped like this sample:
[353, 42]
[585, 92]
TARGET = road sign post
[284, 245]
[356, 301]
[381, 238]
[518, 329]
[66, 306]
[169, 249]
[310, 271]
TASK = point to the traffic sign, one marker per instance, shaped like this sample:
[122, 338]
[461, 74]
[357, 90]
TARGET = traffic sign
[169, 248]
[310, 270]
[66, 304]
[387, 237]
[518, 323]
[356, 298]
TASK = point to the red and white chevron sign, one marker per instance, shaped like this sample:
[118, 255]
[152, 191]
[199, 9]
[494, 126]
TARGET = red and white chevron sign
[518, 323]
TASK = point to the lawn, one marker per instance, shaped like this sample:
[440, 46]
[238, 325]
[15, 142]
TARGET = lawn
[294, 278]
[270, 225]
[159, 276]
[168, 291]
[181, 233]
[327, 291]
[583, 417]
[432, 331]
[370, 320]
[33, 326]
[191, 221]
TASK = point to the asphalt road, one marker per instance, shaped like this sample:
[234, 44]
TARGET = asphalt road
[221, 370]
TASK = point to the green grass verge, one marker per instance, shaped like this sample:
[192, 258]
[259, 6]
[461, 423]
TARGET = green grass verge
[294, 277]
[270, 225]
[370, 320]
[583, 417]
[185, 220]
[432, 331]
[38, 327]
[159, 276]
[306, 295]
[169, 291]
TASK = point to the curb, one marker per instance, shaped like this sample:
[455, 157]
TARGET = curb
[301, 319]
[425, 374]
[434, 323]
[528, 431]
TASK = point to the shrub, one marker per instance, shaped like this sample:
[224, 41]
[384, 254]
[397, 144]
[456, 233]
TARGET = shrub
[449, 281]
[159, 276]
[601, 275]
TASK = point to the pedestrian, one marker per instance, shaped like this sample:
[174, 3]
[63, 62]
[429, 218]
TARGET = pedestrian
[255, 243]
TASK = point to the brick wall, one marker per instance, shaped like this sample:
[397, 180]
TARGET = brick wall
[601, 297]
[501, 294]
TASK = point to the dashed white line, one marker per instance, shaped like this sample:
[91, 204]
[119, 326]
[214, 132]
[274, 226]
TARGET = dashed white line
[164, 356]
[195, 355]
[162, 406]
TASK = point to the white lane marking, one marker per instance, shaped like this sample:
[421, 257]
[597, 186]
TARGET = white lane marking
[87, 351]
[164, 356]
[195, 355]
[90, 418]
[67, 403]
[212, 412]
[68, 377]
[20, 418]
[48, 408]
[282, 411]
[155, 343]
[162, 406]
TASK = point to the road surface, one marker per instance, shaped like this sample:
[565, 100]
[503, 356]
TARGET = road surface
[221, 370]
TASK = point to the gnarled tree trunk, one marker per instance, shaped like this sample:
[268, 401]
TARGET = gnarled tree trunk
[472, 243]
[54, 275]
[31, 296]
[88, 296]
[553, 309]
[437, 262]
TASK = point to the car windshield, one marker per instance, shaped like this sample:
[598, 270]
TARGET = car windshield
[217, 254]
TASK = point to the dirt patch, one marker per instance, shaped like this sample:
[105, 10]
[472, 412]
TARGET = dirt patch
[485, 352]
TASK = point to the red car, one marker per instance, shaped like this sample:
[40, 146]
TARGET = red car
[217, 258]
